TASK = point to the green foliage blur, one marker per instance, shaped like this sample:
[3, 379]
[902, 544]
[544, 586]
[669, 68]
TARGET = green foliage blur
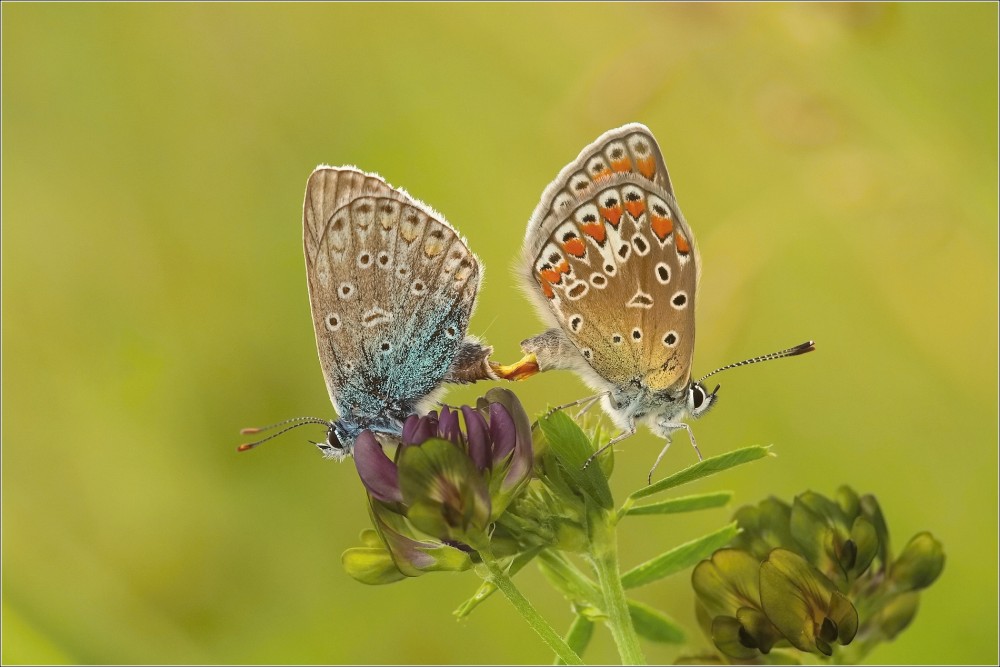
[837, 162]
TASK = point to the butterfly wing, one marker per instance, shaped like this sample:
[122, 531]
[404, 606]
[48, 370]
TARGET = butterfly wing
[609, 259]
[391, 287]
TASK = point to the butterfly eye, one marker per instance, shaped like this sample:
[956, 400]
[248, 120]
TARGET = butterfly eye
[699, 400]
[697, 396]
[333, 440]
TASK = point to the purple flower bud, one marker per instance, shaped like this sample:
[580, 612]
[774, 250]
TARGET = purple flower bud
[418, 429]
[477, 434]
[377, 472]
[502, 431]
[448, 427]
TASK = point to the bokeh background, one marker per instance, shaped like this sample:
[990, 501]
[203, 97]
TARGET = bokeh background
[838, 164]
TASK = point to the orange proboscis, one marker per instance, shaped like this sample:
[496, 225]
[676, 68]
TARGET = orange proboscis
[520, 370]
[647, 167]
[636, 208]
[575, 246]
[683, 247]
[621, 165]
[612, 215]
[661, 226]
[596, 230]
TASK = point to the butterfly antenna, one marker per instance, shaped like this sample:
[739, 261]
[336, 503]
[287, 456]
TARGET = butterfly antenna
[807, 346]
[299, 421]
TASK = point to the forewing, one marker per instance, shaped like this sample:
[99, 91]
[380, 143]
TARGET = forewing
[606, 251]
[391, 287]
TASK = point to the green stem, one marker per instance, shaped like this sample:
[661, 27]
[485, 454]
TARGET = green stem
[528, 612]
[604, 555]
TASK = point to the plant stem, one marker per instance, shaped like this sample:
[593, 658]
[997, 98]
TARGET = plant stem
[604, 555]
[548, 634]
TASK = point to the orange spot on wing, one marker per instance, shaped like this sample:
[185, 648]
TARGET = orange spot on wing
[575, 247]
[636, 208]
[550, 276]
[602, 174]
[623, 164]
[647, 167]
[563, 267]
[595, 230]
[612, 215]
[683, 247]
[547, 290]
[661, 226]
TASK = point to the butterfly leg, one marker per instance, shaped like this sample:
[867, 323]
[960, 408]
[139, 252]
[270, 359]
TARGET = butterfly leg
[649, 479]
[694, 443]
[587, 402]
[630, 431]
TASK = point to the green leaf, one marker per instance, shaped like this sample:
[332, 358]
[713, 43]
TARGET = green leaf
[691, 503]
[679, 558]
[704, 468]
[578, 636]
[371, 565]
[653, 624]
[572, 448]
[488, 588]
[569, 581]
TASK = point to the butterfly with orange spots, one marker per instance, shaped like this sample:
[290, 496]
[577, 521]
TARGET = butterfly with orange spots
[613, 268]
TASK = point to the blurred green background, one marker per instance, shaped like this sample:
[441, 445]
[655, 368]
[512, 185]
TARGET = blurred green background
[838, 164]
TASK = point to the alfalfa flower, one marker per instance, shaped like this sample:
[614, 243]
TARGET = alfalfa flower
[813, 574]
[435, 504]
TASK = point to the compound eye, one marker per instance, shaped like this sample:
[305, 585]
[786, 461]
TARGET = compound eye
[697, 396]
[333, 440]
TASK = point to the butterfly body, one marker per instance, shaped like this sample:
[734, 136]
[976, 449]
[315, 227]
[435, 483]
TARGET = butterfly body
[391, 287]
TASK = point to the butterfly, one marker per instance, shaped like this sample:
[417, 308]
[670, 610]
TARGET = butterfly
[613, 268]
[392, 286]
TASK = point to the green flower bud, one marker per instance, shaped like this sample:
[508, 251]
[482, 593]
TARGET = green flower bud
[919, 565]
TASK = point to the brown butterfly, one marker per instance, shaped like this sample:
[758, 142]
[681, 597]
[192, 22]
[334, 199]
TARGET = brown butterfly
[613, 267]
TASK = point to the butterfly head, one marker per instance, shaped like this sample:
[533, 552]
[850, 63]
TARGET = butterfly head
[338, 444]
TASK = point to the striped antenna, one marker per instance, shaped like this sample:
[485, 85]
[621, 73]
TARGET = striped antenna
[299, 421]
[807, 346]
